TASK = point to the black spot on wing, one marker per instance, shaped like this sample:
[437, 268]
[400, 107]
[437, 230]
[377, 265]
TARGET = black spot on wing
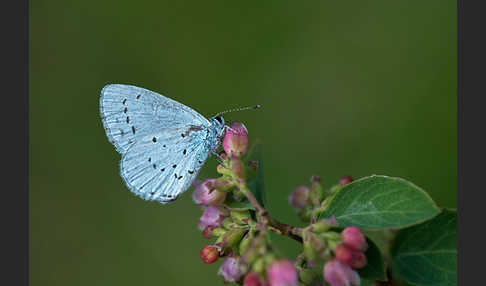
[138, 96]
[133, 130]
[173, 166]
[154, 139]
[190, 172]
[184, 152]
[125, 100]
[125, 110]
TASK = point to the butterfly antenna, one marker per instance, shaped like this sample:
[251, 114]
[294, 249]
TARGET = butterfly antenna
[240, 109]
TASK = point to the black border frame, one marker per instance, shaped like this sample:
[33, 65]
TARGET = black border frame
[471, 144]
[14, 210]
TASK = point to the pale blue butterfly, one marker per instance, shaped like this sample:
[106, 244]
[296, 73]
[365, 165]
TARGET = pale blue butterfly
[163, 143]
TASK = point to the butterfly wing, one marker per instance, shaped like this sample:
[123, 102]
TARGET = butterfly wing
[130, 113]
[163, 166]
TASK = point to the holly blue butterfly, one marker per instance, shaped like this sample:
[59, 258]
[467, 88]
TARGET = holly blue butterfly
[163, 143]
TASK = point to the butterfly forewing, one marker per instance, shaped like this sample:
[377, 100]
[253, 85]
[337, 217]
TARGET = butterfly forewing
[162, 166]
[130, 113]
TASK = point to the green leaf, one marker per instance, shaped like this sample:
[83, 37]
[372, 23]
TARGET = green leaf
[426, 254]
[255, 182]
[375, 268]
[379, 202]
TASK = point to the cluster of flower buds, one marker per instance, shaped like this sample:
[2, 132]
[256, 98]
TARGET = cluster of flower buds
[241, 238]
[248, 257]
[263, 265]
[307, 200]
[219, 221]
[343, 252]
[229, 227]
[318, 241]
[349, 255]
[351, 250]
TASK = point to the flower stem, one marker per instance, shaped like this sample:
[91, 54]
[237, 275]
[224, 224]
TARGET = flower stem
[285, 229]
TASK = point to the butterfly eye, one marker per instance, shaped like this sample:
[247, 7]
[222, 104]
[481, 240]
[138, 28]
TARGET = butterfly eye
[220, 120]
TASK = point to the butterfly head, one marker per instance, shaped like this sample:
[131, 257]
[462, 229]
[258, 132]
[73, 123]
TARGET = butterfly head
[219, 120]
[218, 123]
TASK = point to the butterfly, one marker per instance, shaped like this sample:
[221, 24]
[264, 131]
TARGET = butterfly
[163, 143]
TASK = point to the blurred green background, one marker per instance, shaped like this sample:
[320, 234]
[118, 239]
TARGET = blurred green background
[347, 87]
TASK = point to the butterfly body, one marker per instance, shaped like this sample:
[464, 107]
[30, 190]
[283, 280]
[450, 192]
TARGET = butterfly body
[163, 143]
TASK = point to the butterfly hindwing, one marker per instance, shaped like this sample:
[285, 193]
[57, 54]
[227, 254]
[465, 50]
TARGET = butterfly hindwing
[162, 166]
[130, 113]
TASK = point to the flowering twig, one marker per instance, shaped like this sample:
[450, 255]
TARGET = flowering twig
[242, 235]
[285, 229]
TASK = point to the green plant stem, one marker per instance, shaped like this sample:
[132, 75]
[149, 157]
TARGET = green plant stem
[285, 229]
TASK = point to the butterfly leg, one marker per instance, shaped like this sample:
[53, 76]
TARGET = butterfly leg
[218, 156]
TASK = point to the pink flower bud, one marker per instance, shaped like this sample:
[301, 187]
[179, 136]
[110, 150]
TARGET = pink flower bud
[208, 231]
[230, 269]
[299, 197]
[354, 258]
[345, 180]
[253, 279]
[282, 273]
[344, 254]
[235, 142]
[354, 238]
[332, 221]
[212, 216]
[337, 273]
[359, 260]
[209, 254]
[315, 179]
[206, 194]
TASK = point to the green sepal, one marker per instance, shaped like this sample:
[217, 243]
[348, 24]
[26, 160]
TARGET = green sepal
[240, 216]
[217, 232]
[233, 237]
[227, 223]
[245, 243]
[316, 194]
[259, 265]
[320, 226]
[308, 276]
